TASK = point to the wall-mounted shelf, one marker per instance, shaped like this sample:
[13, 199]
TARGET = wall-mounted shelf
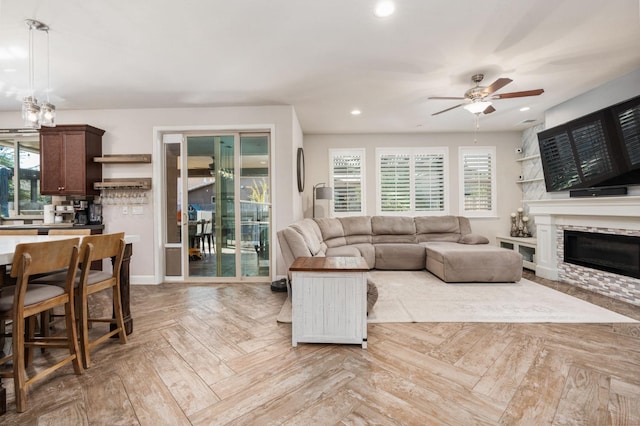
[530, 180]
[124, 158]
[126, 183]
[530, 157]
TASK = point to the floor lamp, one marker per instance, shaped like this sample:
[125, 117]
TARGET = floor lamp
[321, 193]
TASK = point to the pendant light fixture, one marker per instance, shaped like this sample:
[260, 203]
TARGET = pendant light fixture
[35, 115]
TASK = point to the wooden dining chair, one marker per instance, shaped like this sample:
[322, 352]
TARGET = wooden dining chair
[98, 247]
[93, 248]
[25, 300]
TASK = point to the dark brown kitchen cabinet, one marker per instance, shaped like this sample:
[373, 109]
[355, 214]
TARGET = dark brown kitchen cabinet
[66, 159]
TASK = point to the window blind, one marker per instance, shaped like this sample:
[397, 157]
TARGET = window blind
[478, 182]
[412, 180]
[347, 182]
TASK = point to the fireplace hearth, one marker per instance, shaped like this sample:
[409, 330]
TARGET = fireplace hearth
[615, 253]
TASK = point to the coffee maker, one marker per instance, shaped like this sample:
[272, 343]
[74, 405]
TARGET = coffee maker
[81, 209]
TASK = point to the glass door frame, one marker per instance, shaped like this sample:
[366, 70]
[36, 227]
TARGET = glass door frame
[164, 215]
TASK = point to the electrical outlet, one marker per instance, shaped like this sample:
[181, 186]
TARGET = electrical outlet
[125, 209]
[137, 210]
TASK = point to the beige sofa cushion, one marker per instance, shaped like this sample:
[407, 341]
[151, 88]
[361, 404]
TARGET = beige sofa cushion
[331, 231]
[393, 229]
[400, 257]
[437, 228]
[356, 229]
[310, 233]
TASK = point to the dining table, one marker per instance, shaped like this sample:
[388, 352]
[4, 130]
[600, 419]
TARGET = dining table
[8, 245]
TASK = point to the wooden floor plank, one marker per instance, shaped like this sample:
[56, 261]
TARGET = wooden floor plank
[504, 377]
[585, 398]
[539, 394]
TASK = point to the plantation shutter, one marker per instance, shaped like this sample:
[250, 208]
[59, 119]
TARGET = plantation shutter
[478, 181]
[412, 180]
[395, 183]
[347, 183]
[429, 182]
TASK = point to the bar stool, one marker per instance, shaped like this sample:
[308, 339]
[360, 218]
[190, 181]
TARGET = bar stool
[25, 300]
[88, 281]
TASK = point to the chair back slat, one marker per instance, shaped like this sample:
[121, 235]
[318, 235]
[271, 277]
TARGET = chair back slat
[104, 245]
[45, 256]
[69, 232]
[18, 232]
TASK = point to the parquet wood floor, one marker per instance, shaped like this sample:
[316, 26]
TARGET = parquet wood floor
[214, 354]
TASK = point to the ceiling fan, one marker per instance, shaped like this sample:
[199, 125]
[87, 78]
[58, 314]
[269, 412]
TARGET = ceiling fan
[480, 95]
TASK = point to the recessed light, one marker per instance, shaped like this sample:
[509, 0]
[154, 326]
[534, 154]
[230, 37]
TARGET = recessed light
[356, 112]
[384, 9]
[523, 109]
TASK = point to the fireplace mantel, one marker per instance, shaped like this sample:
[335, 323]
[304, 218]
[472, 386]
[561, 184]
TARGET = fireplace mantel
[601, 212]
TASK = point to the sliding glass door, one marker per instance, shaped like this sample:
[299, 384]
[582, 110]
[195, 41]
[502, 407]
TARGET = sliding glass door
[219, 184]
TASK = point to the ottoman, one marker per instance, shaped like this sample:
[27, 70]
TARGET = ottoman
[454, 262]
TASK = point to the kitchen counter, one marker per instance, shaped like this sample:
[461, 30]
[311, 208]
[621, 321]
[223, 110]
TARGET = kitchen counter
[43, 229]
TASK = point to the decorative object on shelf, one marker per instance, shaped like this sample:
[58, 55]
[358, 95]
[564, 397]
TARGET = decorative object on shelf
[520, 212]
[519, 224]
[33, 114]
[525, 228]
[300, 169]
[514, 226]
[321, 192]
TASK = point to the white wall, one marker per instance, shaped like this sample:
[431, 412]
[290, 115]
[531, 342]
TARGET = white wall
[509, 193]
[130, 131]
[610, 93]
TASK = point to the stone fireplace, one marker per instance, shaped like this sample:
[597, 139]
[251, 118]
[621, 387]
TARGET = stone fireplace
[616, 216]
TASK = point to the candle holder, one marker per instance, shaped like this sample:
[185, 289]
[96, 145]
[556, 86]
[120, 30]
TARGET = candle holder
[520, 224]
[525, 227]
[514, 226]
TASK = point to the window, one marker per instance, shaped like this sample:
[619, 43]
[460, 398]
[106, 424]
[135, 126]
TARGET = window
[477, 181]
[20, 156]
[347, 180]
[412, 180]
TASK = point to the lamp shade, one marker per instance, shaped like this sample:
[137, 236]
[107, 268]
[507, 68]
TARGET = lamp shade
[477, 107]
[324, 193]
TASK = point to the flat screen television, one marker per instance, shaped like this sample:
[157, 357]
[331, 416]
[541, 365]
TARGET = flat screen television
[601, 149]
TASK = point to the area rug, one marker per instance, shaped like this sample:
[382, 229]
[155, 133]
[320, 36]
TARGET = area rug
[418, 296]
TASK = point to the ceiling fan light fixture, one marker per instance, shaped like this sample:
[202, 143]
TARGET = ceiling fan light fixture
[477, 107]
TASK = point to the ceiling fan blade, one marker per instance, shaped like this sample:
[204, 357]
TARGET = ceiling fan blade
[489, 110]
[448, 109]
[444, 97]
[496, 85]
[535, 92]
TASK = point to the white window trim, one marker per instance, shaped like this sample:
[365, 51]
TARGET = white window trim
[355, 152]
[467, 150]
[413, 152]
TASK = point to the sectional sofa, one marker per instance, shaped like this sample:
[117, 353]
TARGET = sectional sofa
[443, 245]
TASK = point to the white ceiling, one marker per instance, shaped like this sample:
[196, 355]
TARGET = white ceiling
[323, 57]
